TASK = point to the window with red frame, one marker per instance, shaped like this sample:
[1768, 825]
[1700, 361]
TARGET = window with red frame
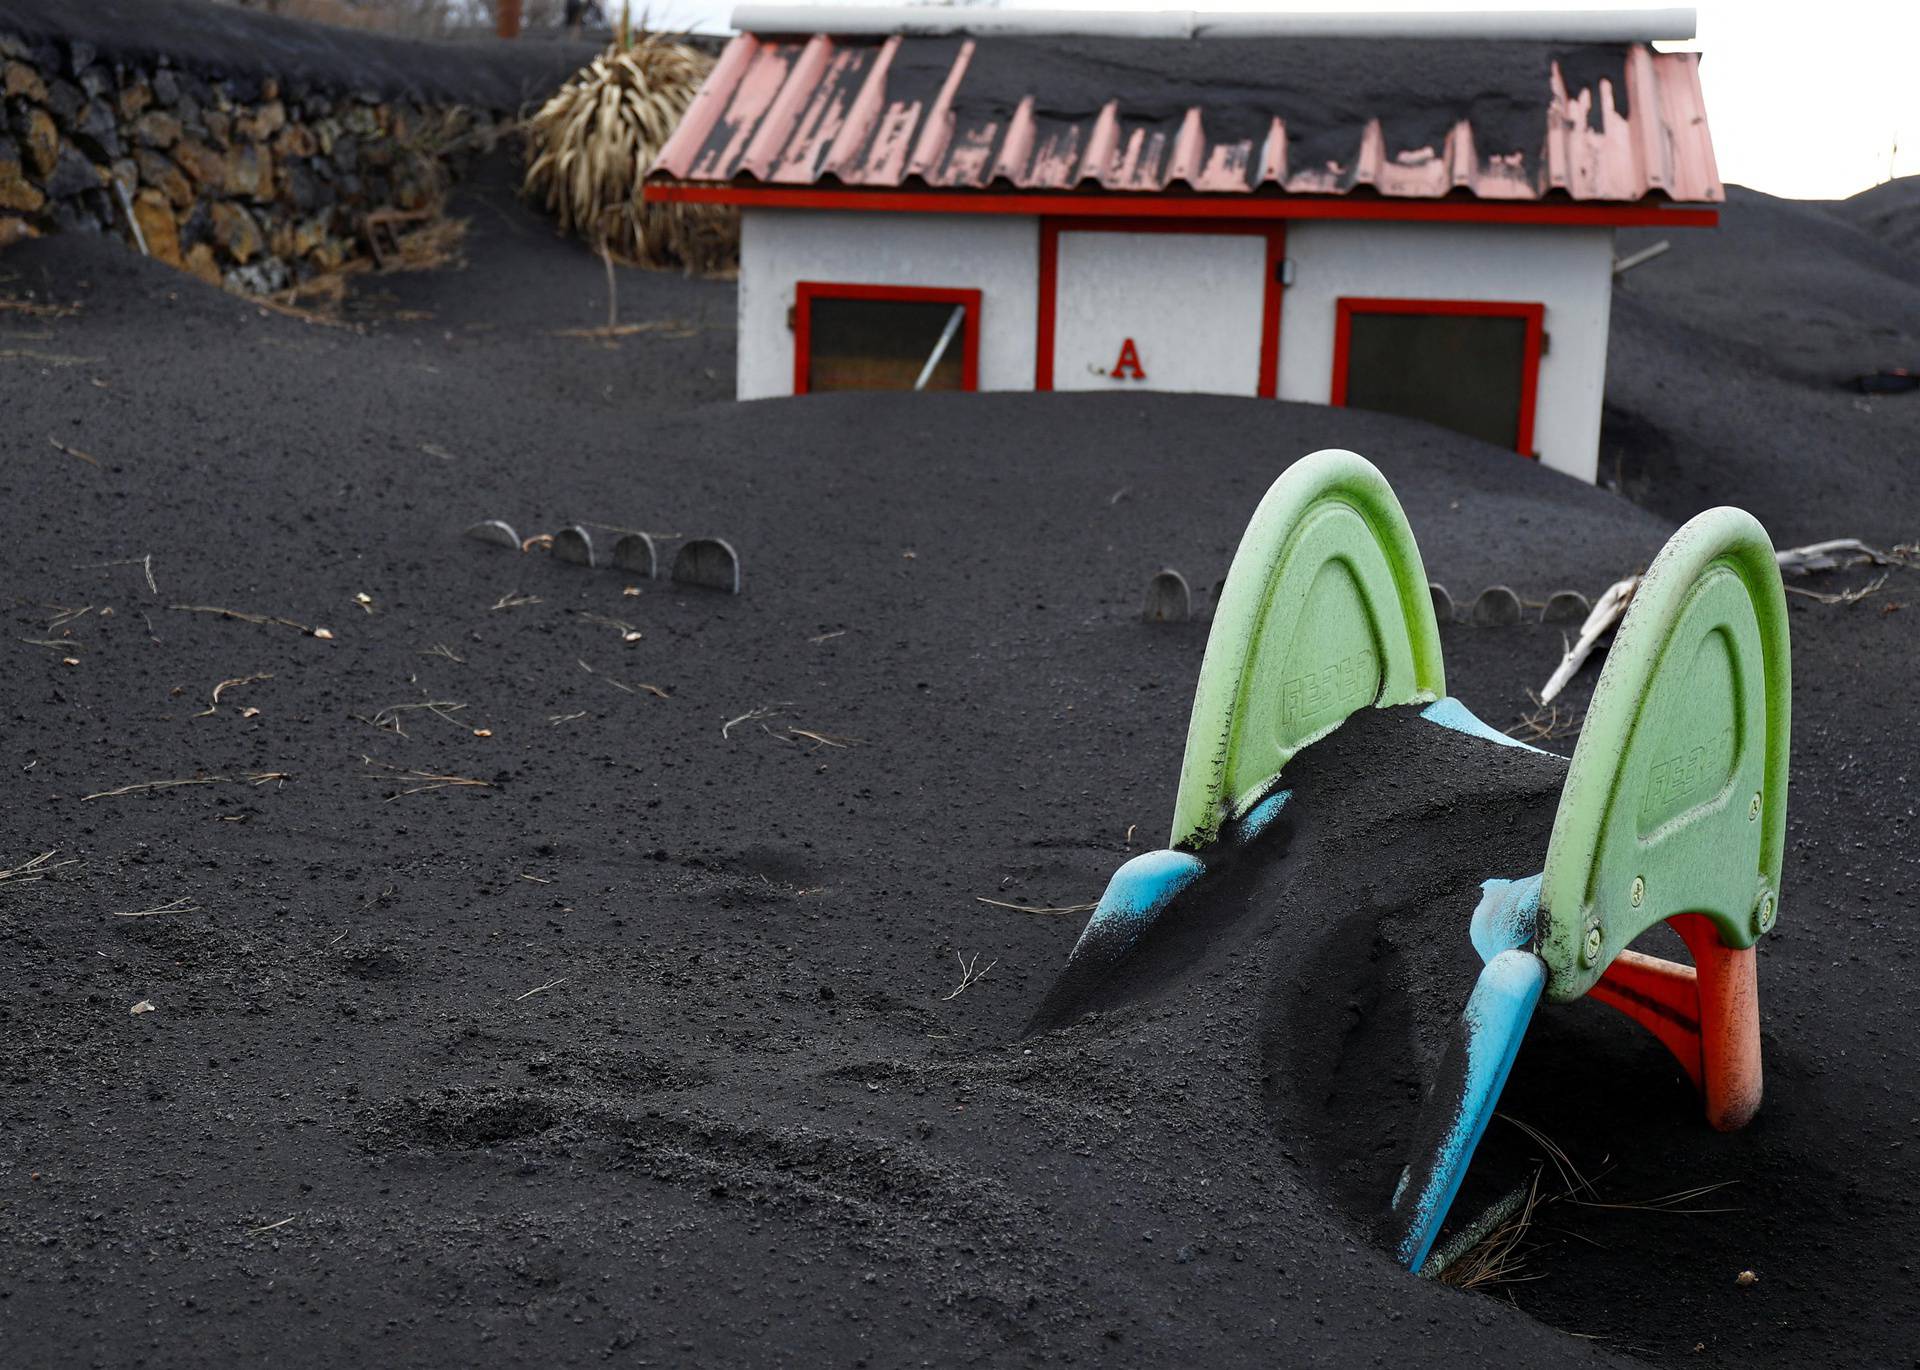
[1469, 365]
[882, 337]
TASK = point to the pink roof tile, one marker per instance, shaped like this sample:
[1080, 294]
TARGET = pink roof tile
[1496, 121]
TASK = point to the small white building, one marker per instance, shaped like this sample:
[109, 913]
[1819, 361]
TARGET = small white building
[1392, 216]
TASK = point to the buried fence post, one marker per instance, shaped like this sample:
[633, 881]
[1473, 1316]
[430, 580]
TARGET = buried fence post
[495, 531]
[572, 544]
[708, 562]
[1566, 606]
[635, 552]
[1168, 599]
[1497, 606]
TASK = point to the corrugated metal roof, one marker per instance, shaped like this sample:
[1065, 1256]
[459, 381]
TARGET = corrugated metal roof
[1494, 120]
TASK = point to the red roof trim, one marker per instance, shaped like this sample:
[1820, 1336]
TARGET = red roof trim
[1109, 205]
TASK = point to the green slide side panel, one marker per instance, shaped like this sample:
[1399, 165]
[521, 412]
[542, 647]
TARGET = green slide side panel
[1676, 801]
[1325, 610]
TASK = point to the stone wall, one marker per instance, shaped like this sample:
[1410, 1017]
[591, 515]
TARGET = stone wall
[255, 172]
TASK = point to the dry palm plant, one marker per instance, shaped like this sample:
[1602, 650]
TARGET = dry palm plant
[593, 141]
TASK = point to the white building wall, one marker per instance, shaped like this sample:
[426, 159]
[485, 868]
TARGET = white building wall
[1146, 280]
[1191, 303]
[998, 255]
[1569, 270]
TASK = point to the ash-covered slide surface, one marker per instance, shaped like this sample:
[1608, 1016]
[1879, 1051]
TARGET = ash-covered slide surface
[649, 1047]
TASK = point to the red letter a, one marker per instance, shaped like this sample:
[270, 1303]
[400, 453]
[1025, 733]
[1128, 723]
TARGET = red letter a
[1129, 361]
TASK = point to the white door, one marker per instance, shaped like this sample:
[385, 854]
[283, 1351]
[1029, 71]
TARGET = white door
[1159, 311]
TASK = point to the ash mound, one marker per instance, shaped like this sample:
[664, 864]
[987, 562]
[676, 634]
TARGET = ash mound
[654, 1042]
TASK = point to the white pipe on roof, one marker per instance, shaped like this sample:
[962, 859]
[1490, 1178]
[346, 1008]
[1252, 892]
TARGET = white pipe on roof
[1565, 26]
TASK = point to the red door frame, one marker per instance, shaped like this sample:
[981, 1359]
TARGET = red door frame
[1533, 312]
[1274, 231]
[806, 292]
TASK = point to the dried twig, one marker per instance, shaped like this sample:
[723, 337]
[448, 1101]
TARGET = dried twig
[433, 781]
[35, 310]
[1853, 596]
[38, 868]
[246, 617]
[1489, 1252]
[27, 354]
[1826, 556]
[622, 528]
[441, 649]
[252, 778]
[1547, 723]
[1612, 606]
[1034, 908]
[820, 740]
[971, 973]
[1667, 1203]
[653, 690]
[788, 887]
[229, 684]
[184, 904]
[60, 446]
[145, 563]
[628, 633]
[256, 1231]
[513, 599]
[1815, 556]
[1570, 1175]
[540, 989]
[613, 289]
[671, 328]
[388, 719]
[751, 716]
[155, 785]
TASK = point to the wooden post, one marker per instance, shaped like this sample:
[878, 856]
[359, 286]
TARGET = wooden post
[506, 17]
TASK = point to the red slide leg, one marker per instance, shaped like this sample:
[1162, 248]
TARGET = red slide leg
[1706, 1014]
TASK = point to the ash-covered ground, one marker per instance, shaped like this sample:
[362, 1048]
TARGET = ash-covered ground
[641, 1043]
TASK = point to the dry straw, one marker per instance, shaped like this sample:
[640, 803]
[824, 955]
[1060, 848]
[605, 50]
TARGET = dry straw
[593, 141]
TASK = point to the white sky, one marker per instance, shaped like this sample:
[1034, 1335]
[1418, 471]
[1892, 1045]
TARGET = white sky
[1804, 100]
